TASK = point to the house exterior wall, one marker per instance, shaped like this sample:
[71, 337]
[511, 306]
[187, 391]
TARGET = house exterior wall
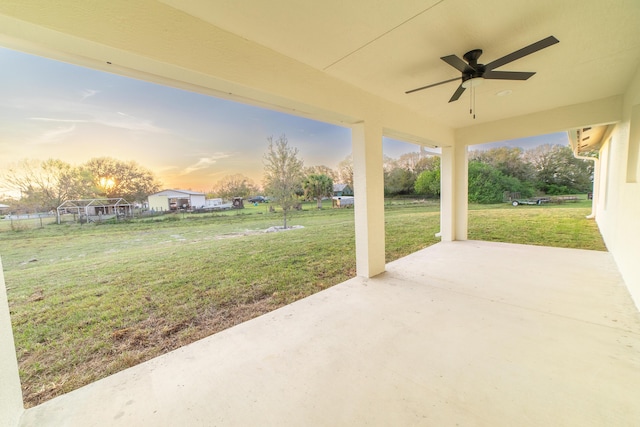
[158, 203]
[198, 201]
[618, 210]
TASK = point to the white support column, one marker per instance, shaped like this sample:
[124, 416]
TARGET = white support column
[11, 407]
[368, 181]
[447, 205]
[453, 194]
[595, 192]
[461, 192]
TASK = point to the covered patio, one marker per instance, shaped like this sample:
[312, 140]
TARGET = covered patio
[465, 333]
[523, 335]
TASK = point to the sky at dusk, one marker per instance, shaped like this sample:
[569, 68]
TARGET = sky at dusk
[50, 109]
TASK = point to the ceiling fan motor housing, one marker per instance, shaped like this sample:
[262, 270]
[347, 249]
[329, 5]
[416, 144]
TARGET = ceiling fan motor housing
[473, 70]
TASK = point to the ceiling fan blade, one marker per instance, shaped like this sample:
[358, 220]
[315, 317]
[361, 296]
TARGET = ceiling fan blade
[457, 93]
[528, 50]
[507, 75]
[456, 62]
[435, 84]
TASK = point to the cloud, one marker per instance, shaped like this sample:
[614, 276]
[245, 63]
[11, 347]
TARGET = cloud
[47, 119]
[116, 120]
[205, 162]
[87, 93]
[57, 134]
[128, 122]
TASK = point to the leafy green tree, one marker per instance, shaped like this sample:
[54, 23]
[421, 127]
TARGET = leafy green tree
[283, 174]
[116, 178]
[508, 160]
[317, 186]
[399, 181]
[487, 183]
[428, 182]
[427, 163]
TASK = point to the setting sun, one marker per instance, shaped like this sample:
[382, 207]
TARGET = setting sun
[107, 183]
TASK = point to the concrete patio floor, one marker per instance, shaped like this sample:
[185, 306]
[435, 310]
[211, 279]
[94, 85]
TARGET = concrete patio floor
[458, 334]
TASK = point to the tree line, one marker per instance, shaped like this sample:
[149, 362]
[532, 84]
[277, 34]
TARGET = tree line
[544, 170]
[551, 170]
[45, 185]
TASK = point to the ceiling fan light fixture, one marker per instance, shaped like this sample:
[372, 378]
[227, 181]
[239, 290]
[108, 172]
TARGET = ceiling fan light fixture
[472, 82]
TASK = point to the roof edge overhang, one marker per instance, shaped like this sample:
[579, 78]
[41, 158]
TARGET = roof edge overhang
[588, 114]
[588, 139]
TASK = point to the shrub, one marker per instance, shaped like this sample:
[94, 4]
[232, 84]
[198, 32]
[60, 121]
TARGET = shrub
[428, 183]
[487, 184]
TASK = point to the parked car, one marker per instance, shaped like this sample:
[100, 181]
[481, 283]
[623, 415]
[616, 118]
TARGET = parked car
[258, 199]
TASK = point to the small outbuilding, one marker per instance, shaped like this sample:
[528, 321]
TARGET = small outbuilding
[95, 209]
[340, 190]
[171, 200]
[343, 202]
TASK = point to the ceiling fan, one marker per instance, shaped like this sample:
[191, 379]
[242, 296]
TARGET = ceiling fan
[473, 73]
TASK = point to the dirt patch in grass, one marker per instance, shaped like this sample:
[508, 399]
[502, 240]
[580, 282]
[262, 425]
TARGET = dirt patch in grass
[133, 345]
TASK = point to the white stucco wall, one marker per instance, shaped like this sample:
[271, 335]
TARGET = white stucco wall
[618, 212]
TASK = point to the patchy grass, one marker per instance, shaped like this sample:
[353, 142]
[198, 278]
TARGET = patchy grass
[88, 301]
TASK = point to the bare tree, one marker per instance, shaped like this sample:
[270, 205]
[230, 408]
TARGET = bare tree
[410, 161]
[46, 184]
[557, 171]
[345, 171]
[322, 170]
[236, 185]
[282, 173]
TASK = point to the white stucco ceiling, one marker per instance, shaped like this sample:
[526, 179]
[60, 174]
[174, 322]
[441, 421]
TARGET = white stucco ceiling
[389, 47]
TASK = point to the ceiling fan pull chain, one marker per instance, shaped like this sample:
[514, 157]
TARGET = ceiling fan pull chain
[472, 101]
[474, 104]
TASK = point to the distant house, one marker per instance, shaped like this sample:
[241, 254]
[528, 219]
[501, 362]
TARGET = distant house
[340, 190]
[4, 208]
[171, 200]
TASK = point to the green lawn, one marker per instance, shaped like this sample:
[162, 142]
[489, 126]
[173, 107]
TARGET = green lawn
[88, 301]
